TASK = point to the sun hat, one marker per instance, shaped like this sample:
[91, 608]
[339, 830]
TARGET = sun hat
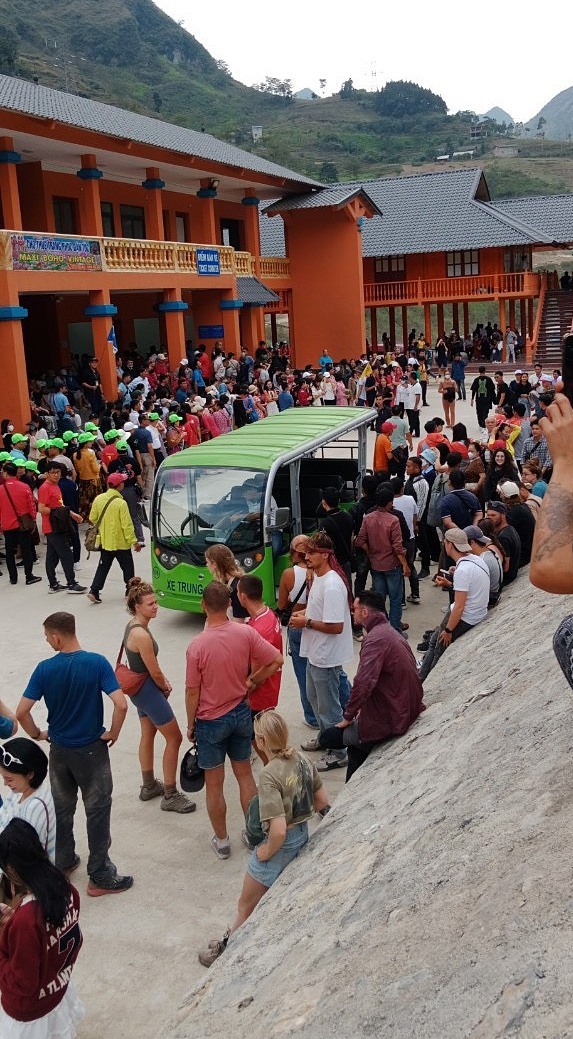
[116, 479]
[31, 465]
[19, 438]
[5, 456]
[457, 538]
[90, 427]
[476, 534]
[121, 446]
[19, 462]
[69, 435]
[56, 442]
[112, 434]
[508, 489]
[86, 438]
[175, 418]
[21, 756]
[252, 388]
[41, 443]
[154, 416]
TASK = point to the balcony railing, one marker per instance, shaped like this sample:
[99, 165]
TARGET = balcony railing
[445, 290]
[30, 251]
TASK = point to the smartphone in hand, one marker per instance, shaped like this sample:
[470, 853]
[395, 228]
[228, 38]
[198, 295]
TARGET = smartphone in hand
[567, 366]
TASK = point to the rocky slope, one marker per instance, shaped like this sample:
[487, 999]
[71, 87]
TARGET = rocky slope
[434, 901]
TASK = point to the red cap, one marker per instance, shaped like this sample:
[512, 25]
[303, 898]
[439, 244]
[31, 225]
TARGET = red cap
[116, 479]
[387, 427]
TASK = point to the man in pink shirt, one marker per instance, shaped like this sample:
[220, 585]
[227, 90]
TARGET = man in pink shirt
[224, 664]
[265, 621]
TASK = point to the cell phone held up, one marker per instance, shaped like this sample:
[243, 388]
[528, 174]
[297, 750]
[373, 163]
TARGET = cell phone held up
[567, 366]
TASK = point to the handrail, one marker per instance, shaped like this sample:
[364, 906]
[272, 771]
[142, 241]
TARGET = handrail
[538, 318]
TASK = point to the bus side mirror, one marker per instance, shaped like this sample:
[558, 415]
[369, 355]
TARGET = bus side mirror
[282, 519]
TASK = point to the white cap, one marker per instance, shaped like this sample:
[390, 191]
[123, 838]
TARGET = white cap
[129, 426]
[184, 361]
[509, 489]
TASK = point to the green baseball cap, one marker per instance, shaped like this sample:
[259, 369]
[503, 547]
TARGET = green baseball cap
[56, 442]
[19, 438]
[90, 427]
[32, 466]
[5, 456]
[20, 462]
[175, 418]
[112, 434]
[86, 438]
[41, 443]
[69, 435]
[122, 445]
[153, 417]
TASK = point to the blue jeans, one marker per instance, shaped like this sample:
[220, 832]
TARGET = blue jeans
[389, 583]
[323, 691]
[343, 689]
[299, 667]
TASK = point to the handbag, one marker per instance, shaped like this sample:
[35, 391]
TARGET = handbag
[25, 521]
[91, 538]
[130, 682]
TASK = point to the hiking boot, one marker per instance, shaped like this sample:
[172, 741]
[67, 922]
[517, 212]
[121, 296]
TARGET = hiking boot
[76, 589]
[215, 948]
[114, 886]
[177, 803]
[94, 597]
[311, 745]
[423, 646]
[57, 587]
[147, 793]
[329, 761]
[222, 849]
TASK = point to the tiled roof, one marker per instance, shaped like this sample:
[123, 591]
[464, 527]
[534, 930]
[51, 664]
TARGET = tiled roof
[425, 213]
[554, 213]
[336, 195]
[19, 95]
[251, 290]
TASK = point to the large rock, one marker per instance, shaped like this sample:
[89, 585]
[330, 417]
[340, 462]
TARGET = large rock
[435, 900]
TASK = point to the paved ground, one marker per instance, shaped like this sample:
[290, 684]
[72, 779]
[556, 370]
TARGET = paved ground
[139, 956]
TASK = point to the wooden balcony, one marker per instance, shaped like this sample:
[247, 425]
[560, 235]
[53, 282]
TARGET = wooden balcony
[31, 251]
[451, 290]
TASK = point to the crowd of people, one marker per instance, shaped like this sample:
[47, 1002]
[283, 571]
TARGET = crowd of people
[435, 496]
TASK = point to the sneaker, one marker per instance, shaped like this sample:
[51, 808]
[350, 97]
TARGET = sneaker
[57, 587]
[414, 599]
[247, 841]
[358, 634]
[404, 626]
[311, 745]
[73, 865]
[33, 580]
[423, 646]
[94, 597]
[329, 761]
[147, 793]
[14, 582]
[215, 948]
[76, 589]
[111, 887]
[222, 848]
[423, 573]
[310, 725]
[177, 803]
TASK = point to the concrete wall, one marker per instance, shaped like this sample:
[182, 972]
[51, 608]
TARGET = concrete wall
[435, 899]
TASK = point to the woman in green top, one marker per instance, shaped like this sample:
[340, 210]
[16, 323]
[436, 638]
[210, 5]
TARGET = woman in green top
[290, 791]
[153, 708]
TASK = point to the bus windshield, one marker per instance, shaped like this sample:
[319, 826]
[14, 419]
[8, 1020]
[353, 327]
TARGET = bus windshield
[200, 506]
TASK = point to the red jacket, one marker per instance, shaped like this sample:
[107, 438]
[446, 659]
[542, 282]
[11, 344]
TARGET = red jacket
[23, 500]
[36, 959]
[386, 692]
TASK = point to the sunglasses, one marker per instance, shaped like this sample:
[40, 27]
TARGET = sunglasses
[9, 759]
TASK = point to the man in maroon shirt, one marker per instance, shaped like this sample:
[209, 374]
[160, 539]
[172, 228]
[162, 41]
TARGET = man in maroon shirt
[16, 501]
[381, 538]
[386, 693]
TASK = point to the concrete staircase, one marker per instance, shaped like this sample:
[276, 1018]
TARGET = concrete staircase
[556, 320]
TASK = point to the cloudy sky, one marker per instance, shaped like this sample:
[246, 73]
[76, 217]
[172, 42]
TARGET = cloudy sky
[476, 57]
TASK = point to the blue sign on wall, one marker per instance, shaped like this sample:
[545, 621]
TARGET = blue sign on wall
[208, 261]
[210, 331]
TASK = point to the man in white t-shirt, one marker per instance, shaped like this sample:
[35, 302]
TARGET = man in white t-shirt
[413, 404]
[326, 642]
[471, 586]
[408, 506]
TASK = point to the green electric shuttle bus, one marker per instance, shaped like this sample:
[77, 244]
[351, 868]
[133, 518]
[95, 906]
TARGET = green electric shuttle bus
[251, 490]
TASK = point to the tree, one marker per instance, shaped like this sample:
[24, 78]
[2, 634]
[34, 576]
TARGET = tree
[272, 85]
[321, 85]
[223, 67]
[403, 98]
[157, 101]
[347, 89]
[328, 173]
[8, 50]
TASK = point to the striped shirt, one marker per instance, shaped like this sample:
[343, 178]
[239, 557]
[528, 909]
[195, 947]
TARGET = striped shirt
[38, 810]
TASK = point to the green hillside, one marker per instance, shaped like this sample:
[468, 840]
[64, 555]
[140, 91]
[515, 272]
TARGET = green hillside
[129, 53]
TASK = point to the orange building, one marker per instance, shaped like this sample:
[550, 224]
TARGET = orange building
[112, 218]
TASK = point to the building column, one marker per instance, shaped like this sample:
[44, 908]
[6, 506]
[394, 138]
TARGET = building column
[252, 327]
[440, 319]
[250, 203]
[274, 332]
[530, 321]
[466, 311]
[153, 205]
[512, 313]
[14, 396]
[230, 310]
[427, 323]
[405, 329]
[373, 328]
[392, 326]
[101, 313]
[9, 193]
[207, 225]
[172, 311]
[89, 201]
[456, 317]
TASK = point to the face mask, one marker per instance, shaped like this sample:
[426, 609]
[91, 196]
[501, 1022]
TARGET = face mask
[471, 454]
[10, 428]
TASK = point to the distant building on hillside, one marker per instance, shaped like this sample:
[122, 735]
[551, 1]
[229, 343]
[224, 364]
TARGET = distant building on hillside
[506, 151]
[477, 131]
[306, 94]
[257, 132]
[442, 158]
[469, 154]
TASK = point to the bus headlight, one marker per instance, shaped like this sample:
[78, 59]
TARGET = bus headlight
[248, 562]
[168, 560]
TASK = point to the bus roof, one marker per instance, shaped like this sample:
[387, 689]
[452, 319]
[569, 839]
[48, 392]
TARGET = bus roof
[260, 444]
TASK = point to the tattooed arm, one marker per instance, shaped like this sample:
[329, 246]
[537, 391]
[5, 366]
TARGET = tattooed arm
[552, 554]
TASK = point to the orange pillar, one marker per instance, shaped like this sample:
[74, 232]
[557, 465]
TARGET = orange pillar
[466, 310]
[230, 321]
[252, 327]
[392, 326]
[405, 329]
[9, 193]
[440, 318]
[427, 323]
[250, 204]
[101, 312]
[512, 313]
[172, 310]
[153, 204]
[89, 201]
[530, 317]
[14, 396]
[206, 224]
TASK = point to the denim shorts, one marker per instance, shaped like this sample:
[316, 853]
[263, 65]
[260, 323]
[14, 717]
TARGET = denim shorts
[227, 736]
[267, 872]
[151, 703]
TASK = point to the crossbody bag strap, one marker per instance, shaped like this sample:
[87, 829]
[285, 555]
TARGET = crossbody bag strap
[103, 512]
[17, 514]
[299, 593]
[45, 807]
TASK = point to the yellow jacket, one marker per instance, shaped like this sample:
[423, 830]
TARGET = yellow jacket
[87, 465]
[116, 529]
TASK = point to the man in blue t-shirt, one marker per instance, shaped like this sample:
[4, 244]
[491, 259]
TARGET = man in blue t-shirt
[459, 508]
[71, 685]
[142, 446]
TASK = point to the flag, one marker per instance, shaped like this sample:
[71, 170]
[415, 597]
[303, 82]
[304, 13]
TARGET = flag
[367, 370]
[111, 339]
